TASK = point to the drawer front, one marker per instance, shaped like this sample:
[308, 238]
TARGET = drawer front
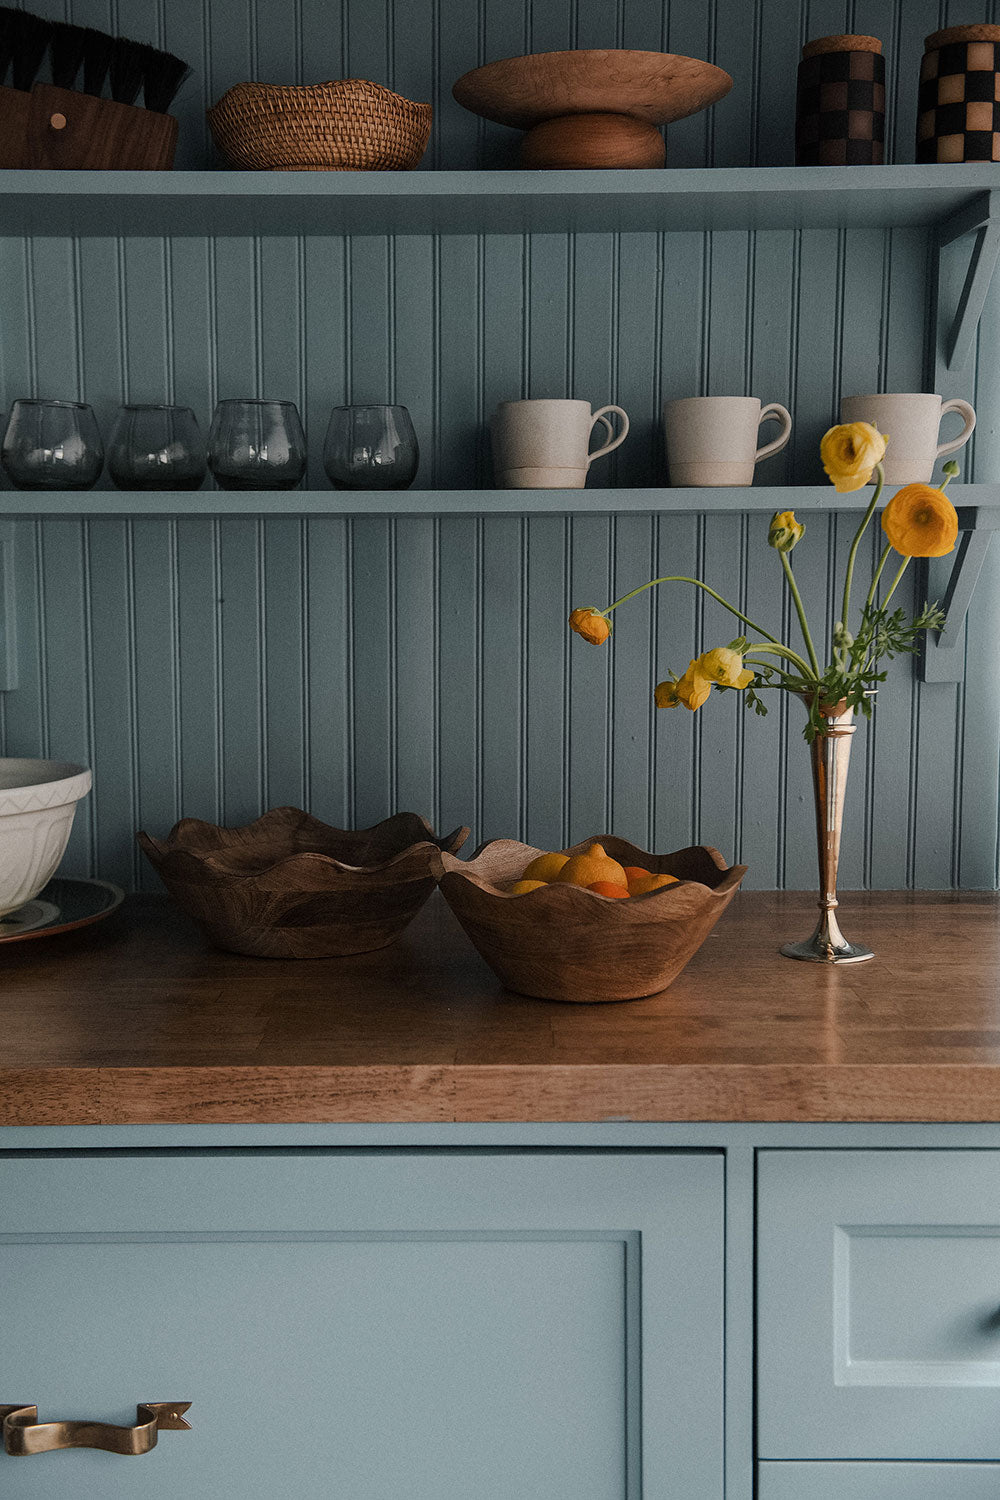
[847, 1481]
[879, 1304]
[384, 1326]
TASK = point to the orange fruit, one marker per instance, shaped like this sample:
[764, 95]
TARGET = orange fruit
[651, 883]
[522, 887]
[545, 867]
[593, 865]
[608, 888]
[634, 873]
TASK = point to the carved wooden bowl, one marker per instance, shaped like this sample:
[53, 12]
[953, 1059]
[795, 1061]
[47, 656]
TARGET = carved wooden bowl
[596, 107]
[563, 942]
[289, 886]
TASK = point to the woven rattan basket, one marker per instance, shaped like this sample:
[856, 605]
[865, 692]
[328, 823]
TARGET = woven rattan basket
[348, 125]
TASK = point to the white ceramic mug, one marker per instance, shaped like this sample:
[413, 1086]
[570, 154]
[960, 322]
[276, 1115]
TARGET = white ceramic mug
[543, 445]
[911, 422]
[712, 440]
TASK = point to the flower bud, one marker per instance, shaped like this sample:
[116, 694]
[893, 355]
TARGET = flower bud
[785, 532]
[666, 695]
[591, 624]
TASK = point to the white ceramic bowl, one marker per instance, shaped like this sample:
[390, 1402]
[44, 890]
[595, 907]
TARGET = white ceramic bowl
[37, 804]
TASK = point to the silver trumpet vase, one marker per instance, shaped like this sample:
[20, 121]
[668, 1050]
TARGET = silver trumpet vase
[831, 757]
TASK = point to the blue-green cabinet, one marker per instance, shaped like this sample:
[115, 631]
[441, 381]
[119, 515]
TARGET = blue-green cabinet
[878, 1481]
[379, 1325]
[879, 1305]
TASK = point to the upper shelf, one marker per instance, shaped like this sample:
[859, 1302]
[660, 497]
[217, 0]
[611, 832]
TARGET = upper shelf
[507, 202]
[978, 504]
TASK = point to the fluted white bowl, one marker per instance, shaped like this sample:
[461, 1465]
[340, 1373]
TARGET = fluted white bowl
[37, 805]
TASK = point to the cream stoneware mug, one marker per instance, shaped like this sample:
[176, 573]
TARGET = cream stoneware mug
[544, 445]
[911, 422]
[712, 440]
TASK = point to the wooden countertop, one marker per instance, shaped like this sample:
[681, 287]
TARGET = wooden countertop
[137, 1021]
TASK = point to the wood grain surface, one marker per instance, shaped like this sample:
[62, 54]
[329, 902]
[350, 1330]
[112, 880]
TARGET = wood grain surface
[139, 1021]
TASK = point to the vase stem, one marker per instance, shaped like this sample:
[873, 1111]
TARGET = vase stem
[831, 757]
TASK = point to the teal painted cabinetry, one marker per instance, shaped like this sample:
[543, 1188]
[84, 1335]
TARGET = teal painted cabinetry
[397, 1325]
[509, 1312]
[886, 1481]
[879, 1305]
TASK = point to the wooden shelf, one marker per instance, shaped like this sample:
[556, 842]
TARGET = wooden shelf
[978, 504]
[47, 203]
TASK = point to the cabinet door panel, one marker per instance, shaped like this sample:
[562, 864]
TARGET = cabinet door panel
[867, 1481]
[408, 1325]
[879, 1304]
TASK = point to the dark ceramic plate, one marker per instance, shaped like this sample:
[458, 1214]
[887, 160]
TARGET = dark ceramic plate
[61, 906]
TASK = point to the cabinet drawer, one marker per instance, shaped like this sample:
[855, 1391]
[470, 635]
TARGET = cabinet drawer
[879, 1304]
[853, 1481]
[380, 1325]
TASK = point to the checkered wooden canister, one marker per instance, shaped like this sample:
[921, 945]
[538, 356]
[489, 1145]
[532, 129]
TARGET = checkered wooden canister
[840, 103]
[958, 111]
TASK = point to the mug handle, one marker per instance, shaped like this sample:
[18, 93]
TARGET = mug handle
[600, 416]
[967, 412]
[769, 449]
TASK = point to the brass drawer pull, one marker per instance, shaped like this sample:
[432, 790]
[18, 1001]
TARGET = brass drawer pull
[24, 1434]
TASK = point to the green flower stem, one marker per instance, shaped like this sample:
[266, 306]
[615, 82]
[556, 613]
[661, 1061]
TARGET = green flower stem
[849, 574]
[759, 646]
[681, 578]
[895, 582]
[801, 614]
[878, 574]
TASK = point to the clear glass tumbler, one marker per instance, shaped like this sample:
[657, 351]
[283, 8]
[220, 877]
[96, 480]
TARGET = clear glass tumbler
[156, 448]
[52, 445]
[257, 445]
[370, 448]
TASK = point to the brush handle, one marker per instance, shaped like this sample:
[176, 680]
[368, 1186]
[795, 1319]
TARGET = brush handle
[15, 108]
[72, 130]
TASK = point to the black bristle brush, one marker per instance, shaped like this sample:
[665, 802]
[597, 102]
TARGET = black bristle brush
[29, 39]
[161, 80]
[96, 59]
[8, 21]
[66, 47]
[125, 74]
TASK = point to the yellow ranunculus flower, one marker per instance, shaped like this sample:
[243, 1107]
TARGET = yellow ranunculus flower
[850, 453]
[920, 521]
[725, 667]
[785, 532]
[591, 624]
[694, 687]
[691, 689]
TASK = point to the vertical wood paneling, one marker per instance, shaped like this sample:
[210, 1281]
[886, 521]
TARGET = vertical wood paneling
[213, 668]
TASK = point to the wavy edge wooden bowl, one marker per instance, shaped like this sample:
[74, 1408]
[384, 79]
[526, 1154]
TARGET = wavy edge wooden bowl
[289, 886]
[563, 942]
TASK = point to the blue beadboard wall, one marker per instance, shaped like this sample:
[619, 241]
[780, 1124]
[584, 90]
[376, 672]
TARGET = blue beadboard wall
[217, 667]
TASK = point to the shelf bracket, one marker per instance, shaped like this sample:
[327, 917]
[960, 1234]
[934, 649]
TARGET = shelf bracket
[8, 609]
[952, 581]
[980, 219]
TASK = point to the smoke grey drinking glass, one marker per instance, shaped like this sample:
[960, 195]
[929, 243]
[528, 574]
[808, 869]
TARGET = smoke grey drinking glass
[156, 448]
[257, 445]
[52, 445]
[370, 448]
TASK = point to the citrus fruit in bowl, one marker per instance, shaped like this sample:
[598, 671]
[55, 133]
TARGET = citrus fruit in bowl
[562, 940]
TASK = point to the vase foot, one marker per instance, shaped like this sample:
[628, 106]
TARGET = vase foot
[820, 950]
